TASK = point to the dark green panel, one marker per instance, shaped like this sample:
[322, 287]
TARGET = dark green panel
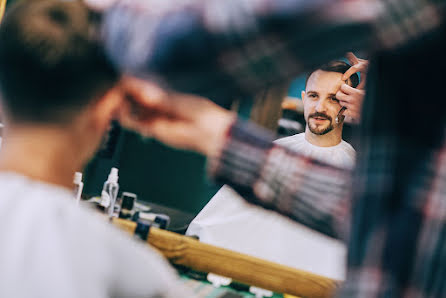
[160, 174]
[155, 172]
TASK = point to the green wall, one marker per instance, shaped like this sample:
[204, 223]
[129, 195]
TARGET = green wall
[155, 172]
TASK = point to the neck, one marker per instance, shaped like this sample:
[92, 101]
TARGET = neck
[329, 139]
[47, 154]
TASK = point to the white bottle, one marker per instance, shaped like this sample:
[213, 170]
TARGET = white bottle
[110, 192]
[78, 186]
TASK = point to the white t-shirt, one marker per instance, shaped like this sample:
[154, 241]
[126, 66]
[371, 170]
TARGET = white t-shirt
[342, 155]
[50, 247]
[229, 221]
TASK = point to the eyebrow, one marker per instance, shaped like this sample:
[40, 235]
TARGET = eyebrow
[315, 92]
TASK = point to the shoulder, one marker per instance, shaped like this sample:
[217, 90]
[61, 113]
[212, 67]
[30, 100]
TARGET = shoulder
[347, 147]
[76, 233]
[344, 155]
[138, 268]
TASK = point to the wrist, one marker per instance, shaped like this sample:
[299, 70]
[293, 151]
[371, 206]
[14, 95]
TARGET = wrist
[217, 134]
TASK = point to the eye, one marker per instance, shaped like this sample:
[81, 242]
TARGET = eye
[334, 99]
[312, 95]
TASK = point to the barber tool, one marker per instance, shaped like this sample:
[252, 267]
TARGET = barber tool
[158, 220]
[128, 202]
[141, 207]
[218, 280]
[340, 117]
[260, 293]
[110, 192]
[78, 186]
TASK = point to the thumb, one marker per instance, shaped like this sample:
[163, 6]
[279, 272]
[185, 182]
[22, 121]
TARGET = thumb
[352, 58]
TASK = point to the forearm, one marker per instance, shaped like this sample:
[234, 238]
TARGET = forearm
[307, 191]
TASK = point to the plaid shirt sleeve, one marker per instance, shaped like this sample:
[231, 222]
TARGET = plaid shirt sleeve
[270, 175]
[238, 47]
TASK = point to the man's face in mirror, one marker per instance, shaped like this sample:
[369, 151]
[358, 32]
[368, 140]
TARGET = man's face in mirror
[320, 104]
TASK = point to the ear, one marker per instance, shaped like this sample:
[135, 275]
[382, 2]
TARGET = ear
[106, 108]
[303, 96]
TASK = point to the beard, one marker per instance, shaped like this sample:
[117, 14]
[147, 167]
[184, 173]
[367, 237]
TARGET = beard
[317, 130]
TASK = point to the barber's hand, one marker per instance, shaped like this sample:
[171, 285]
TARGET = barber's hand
[358, 65]
[179, 120]
[350, 97]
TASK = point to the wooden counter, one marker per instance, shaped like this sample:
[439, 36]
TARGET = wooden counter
[186, 251]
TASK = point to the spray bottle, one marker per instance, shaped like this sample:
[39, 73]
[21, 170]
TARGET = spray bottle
[110, 192]
[78, 186]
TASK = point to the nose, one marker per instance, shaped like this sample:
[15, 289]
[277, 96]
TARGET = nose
[321, 106]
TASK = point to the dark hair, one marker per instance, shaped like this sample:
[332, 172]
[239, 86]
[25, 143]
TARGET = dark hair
[51, 65]
[336, 66]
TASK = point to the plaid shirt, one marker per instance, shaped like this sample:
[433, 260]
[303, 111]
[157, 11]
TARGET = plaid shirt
[392, 209]
[237, 47]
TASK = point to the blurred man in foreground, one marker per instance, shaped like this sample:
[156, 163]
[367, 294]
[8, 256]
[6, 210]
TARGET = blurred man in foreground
[58, 94]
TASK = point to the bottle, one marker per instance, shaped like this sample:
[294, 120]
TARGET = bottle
[78, 186]
[110, 192]
[127, 205]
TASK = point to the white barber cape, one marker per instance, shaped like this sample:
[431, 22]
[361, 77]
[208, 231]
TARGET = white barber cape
[229, 221]
[50, 247]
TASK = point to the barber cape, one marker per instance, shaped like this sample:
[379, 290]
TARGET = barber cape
[50, 247]
[230, 222]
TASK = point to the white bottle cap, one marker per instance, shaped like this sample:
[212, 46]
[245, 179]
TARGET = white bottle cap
[77, 178]
[113, 176]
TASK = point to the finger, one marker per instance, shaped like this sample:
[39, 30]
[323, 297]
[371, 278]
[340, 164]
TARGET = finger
[352, 58]
[361, 84]
[341, 96]
[351, 71]
[347, 105]
[347, 89]
[352, 114]
[351, 120]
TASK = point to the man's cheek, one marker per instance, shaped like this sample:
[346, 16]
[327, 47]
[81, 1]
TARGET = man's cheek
[307, 111]
[306, 115]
